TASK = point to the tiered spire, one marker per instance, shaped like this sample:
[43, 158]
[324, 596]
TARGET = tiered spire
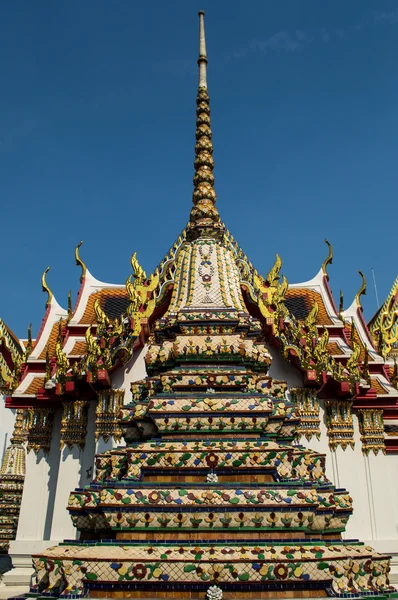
[204, 212]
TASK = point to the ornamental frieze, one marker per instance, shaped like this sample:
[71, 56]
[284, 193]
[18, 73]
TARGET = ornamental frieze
[109, 403]
[74, 423]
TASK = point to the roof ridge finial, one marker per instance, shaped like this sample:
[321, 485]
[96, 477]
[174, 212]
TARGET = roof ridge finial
[79, 262]
[361, 291]
[45, 287]
[204, 214]
[328, 260]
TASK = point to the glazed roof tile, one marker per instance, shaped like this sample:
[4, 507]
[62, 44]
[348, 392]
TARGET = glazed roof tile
[381, 391]
[51, 342]
[357, 339]
[334, 348]
[113, 301]
[35, 385]
[299, 301]
[79, 349]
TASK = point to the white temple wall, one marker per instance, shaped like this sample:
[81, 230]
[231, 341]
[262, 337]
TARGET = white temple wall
[44, 520]
[280, 369]
[37, 506]
[75, 470]
[371, 480]
[134, 370]
[7, 420]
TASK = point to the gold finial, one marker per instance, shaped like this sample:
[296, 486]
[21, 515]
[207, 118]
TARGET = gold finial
[311, 320]
[328, 260]
[273, 276]
[341, 307]
[62, 359]
[102, 319]
[394, 377]
[204, 212]
[384, 328]
[352, 362]
[79, 262]
[93, 349]
[70, 310]
[320, 350]
[138, 271]
[46, 288]
[352, 334]
[48, 365]
[60, 336]
[361, 291]
[134, 296]
[365, 367]
[29, 343]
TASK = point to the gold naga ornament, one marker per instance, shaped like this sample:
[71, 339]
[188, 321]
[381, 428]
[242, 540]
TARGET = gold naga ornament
[301, 339]
[48, 366]
[394, 376]
[93, 351]
[271, 293]
[365, 368]
[142, 295]
[386, 326]
[341, 308]
[10, 376]
[63, 364]
[99, 346]
[101, 318]
[320, 353]
[70, 309]
[6, 375]
[29, 343]
[353, 361]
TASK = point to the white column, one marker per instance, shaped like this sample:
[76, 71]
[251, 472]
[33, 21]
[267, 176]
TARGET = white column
[7, 420]
[73, 468]
[351, 467]
[68, 479]
[41, 470]
[382, 475]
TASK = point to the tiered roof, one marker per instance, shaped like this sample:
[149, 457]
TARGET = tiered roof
[83, 346]
[303, 308]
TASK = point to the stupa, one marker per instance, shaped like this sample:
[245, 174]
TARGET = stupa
[211, 496]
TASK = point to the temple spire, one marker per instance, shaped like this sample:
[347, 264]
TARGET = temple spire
[202, 60]
[204, 214]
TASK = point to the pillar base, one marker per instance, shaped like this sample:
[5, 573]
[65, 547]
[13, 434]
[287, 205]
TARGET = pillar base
[389, 547]
[20, 576]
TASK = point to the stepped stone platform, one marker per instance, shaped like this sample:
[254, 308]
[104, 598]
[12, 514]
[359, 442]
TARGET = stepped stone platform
[250, 513]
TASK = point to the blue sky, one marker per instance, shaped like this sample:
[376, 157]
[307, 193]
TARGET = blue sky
[97, 125]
